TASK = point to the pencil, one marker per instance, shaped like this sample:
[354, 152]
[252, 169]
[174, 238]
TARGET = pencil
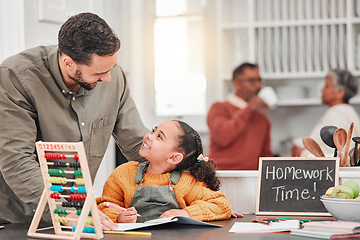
[301, 220]
[261, 221]
[129, 233]
[271, 219]
[117, 207]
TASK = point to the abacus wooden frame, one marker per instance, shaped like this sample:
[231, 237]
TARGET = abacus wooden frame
[89, 204]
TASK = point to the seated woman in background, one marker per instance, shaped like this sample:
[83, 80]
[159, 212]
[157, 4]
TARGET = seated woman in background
[340, 86]
[176, 180]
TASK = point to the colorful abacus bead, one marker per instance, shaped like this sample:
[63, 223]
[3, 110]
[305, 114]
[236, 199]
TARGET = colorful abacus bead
[60, 211]
[85, 230]
[80, 181]
[78, 212]
[59, 164]
[77, 197]
[55, 195]
[78, 204]
[56, 172]
[74, 164]
[78, 173]
[65, 164]
[89, 221]
[56, 188]
[63, 219]
[73, 204]
[80, 189]
[54, 156]
[67, 204]
[57, 180]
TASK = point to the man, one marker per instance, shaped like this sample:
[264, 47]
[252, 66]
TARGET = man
[340, 86]
[67, 93]
[239, 131]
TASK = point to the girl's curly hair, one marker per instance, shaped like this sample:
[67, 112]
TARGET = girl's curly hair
[191, 145]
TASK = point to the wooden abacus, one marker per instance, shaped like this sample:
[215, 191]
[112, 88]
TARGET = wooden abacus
[66, 155]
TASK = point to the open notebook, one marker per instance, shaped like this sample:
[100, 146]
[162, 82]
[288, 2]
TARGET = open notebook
[251, 227]
[160, 221]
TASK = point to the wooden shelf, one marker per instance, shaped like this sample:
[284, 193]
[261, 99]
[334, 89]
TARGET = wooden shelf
[303, 47]
[290, 23]
[298, 102]
[309, 102]
[286, 75]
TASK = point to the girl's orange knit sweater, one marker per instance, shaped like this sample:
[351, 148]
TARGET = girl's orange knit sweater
[201, 202]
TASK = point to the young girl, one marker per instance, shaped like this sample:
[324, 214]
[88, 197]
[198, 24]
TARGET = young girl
[176, 180]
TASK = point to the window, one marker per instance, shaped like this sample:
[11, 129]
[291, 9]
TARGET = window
[180, 83]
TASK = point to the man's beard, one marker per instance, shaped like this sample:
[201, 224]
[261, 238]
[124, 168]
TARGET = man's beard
[78, 79]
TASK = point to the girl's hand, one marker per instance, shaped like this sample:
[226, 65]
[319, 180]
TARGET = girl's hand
[128, 216]
[73, 222]
[175, 212]
[106, 223]
[236, 215]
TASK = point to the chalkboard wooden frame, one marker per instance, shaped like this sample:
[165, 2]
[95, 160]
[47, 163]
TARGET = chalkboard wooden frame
[296, 184]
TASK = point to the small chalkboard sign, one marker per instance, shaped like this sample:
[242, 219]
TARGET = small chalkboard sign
[293, 186]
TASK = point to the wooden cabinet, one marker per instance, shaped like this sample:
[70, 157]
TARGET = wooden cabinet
[295, 43]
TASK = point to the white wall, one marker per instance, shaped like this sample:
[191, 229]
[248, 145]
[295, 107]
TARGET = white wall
[20, 28]
[132, 21]
[11, 27]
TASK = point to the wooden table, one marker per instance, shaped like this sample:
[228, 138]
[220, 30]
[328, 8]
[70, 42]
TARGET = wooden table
[18, 231]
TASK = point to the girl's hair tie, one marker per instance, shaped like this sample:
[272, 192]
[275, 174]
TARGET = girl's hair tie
[202, 158]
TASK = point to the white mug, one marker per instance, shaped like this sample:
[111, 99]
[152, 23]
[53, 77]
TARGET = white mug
[268, 95]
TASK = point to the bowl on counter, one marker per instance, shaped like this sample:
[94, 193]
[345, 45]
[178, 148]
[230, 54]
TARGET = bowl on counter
[343, 209]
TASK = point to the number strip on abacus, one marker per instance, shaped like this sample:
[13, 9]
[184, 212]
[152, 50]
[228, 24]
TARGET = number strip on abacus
[81, 197]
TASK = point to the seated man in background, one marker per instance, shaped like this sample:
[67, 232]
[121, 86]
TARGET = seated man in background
[340, 86]
[239, 131]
